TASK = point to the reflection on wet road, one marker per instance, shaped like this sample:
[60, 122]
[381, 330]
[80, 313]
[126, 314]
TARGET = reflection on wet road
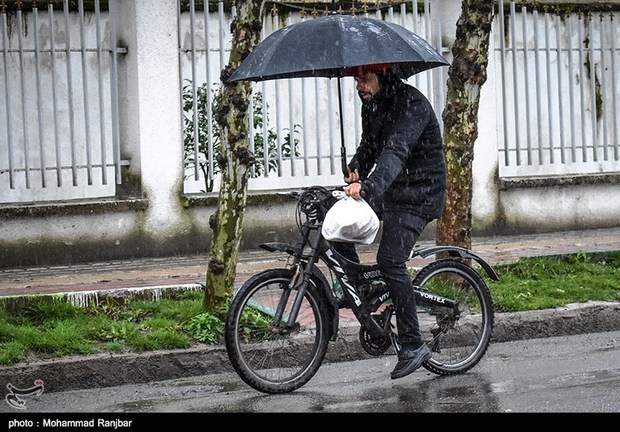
[561, 374]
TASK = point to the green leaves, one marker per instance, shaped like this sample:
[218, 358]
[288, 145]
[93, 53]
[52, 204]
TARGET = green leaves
[206, 327]
[199, 127]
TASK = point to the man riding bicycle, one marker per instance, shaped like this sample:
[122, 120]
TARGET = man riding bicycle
[399, 168]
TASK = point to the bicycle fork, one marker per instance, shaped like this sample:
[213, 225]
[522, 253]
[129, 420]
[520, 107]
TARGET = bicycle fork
[299, 284]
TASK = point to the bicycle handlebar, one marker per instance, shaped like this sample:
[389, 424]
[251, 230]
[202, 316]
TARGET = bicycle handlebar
[296, 194]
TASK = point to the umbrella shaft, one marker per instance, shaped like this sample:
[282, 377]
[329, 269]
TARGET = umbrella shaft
[343, 149]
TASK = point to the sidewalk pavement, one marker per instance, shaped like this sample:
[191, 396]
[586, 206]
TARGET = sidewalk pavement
[106, 370]
[181, 271]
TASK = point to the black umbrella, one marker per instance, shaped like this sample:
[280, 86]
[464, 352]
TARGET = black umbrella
[333, 46]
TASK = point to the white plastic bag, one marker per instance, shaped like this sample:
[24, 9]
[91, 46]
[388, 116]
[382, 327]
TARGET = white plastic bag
[350, 220]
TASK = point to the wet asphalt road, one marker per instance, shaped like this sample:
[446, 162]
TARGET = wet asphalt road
[567, 374]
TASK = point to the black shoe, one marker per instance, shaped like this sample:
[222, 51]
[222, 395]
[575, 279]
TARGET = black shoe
[409, 360]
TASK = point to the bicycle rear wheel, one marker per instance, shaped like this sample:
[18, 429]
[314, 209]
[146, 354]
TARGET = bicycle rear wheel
[458, 337]
[270, 356]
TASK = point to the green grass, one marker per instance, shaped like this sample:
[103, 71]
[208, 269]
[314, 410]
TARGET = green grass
[543, 283]
[49, 328]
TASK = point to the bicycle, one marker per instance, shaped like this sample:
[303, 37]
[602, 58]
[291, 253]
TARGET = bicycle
[281, 320]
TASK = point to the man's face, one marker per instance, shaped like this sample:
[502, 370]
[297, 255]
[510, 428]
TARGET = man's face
[367, 85]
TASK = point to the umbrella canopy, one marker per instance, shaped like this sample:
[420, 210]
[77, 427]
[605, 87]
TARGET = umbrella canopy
[336, 46]
[333, 45]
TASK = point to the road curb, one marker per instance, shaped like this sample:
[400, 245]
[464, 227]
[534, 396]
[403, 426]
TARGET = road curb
[109, 370]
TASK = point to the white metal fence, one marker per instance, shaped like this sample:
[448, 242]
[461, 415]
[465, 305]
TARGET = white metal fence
[58, 110]
[558, 86]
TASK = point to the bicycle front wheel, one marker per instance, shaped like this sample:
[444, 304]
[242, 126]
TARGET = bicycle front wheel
[457, 336]
[272, 356]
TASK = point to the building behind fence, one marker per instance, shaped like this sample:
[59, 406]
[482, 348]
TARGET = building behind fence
[108, 143]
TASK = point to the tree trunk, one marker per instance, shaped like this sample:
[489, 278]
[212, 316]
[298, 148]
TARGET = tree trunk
[466, 76]
[235, 159]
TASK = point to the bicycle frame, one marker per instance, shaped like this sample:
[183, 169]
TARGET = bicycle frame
[351, 276]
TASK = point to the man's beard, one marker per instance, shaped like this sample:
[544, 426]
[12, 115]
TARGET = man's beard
[361, 96]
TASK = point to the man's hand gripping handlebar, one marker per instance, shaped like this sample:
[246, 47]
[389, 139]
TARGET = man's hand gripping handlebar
[354, 184]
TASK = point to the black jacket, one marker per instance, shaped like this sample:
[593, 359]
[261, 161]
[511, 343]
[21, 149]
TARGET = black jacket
[401, 135]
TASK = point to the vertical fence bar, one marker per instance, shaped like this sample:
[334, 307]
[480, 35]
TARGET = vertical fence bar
[437, 74]
[332, 138]
[251, 130]
[276, 26]
[37, 59]
[102, 129]
[70, 92]
[502, 54]
[558, 38]
[24, 98]
[7, 92]
[330, 122]
[593, 88]
[116, 146]
[220, 10]
[539, 131]
[357, 103]
[85, 93]
[526, 74]
[403, 15]
[211, 149]
[429, 37]
[57, 149]
[614, 88]
[603, 69]
[515, 81]
[195, 119]
[181, 84]
[317, 119]
[582, 84]
[291, 120]
[415, 29]
[549, 90]
[266, 143]
[571, 89]
[304, 115]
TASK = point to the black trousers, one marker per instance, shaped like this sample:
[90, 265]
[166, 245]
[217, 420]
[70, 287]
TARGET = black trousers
[401, 231]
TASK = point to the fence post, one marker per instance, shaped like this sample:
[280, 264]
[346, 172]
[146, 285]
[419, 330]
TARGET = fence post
[150, 116]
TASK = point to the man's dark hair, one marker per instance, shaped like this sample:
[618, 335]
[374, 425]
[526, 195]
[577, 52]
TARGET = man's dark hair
[388, 78]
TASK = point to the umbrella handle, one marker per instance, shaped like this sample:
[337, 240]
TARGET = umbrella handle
[343, 155]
